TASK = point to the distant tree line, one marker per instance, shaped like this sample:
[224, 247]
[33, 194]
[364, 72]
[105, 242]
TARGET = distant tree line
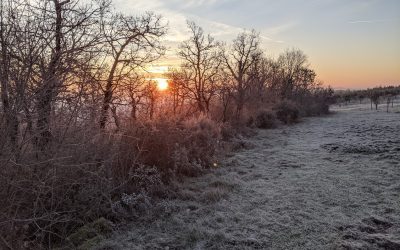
[376, 96]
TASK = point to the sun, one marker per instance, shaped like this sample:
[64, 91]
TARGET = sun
[162, 84]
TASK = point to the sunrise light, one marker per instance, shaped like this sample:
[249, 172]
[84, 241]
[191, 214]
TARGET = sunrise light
[162, 83]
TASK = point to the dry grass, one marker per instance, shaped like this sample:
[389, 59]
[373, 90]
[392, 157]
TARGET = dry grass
[99, 175]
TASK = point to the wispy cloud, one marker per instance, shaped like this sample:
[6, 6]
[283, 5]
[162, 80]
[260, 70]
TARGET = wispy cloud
[177, 19]
[370, 21]
[274, 30]
[198, 3]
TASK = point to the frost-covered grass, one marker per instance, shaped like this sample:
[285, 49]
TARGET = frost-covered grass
[328, 182]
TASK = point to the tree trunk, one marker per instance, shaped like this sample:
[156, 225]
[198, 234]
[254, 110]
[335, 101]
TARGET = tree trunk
[11, 119]
[133, 110]
[224, 113]
[387, 106]
[115, 116]
[151, 109]
[106, 105]
[108, 93]
[43, 120]
[240, 102]
[50, 83]
[200, 106]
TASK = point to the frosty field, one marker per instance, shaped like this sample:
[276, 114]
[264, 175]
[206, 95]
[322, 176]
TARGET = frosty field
[329, 182]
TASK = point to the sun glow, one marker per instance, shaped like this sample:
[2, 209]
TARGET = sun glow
[162, 83]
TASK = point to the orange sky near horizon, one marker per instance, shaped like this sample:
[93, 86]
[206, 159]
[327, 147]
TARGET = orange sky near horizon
[358, 75]
[334, 73]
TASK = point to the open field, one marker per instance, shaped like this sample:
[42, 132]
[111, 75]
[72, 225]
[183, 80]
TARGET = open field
[328, 182]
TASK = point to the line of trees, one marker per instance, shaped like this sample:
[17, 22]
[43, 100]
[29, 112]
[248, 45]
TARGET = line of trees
[81, 126]
[375, 95]
[239, 77]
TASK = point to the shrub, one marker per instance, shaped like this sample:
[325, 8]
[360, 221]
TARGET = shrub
[287, 112]
[53, 198]
[173, 147]
[227, 132]
[202, 139]
[265, 119]
[83, 179]
[132, 205]
[148, 144]
[90, 231]
[315, 108]
[317, 102]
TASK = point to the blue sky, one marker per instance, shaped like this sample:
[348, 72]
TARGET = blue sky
[350, 44]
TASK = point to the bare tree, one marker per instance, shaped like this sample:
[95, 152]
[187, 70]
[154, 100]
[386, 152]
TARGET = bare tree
[41, 42]
[132, 92]
[261, 77]
[239, 59]
[178, 91]
[225, 94]
[131, 42]
[388, 101]
[11, 124]
[152, 95]
[200, 67]
[374, 97]
[296, 75]
[68, 32]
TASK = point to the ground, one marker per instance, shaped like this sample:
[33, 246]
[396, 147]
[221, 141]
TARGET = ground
[329, 182]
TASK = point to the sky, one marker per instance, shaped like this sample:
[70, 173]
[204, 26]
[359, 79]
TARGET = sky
[350, 43]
